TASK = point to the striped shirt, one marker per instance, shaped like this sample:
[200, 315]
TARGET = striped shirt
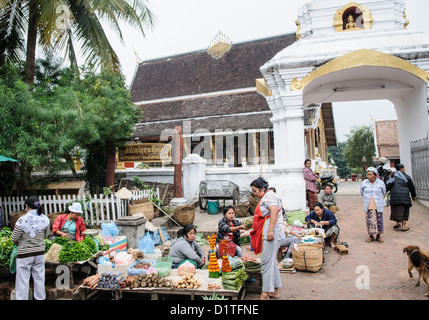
[28, 246]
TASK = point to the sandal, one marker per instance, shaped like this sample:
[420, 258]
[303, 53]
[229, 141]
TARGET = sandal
[370, 239]
[380, 240]
[406, 229]
[396, 226]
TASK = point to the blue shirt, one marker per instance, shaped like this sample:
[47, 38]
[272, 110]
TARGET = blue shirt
[377, 190]
[327, 215]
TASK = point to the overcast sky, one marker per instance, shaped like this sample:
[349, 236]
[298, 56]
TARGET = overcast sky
[190, 25]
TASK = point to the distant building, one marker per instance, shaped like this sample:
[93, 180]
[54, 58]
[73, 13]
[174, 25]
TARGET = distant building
[387, 141]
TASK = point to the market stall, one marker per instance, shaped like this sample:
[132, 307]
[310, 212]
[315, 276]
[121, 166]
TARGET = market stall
[152, 273]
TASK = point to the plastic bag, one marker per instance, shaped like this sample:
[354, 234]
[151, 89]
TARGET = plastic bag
[109, 229]
[146, 244]
[12, 264]
[186, 268]
[156, 238]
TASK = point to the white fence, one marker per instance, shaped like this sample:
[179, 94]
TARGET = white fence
[99, 208]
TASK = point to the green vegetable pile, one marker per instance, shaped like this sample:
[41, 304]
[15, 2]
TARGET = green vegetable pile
[252, 266]
[6, 246]
[73, 251]
[233, 280]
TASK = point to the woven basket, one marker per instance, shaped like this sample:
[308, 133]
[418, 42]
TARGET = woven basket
[15, 216]
[184, 215]
[241, 210]
[253, 203]
[53, 216]
[308, 257]
[141, 206]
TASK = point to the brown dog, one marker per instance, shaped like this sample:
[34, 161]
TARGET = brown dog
[417, 259]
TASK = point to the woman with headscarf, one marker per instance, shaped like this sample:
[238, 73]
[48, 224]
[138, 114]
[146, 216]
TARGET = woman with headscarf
[400, 187]
[373, 190]
[29, 235]
[267, 236]
[310, 179]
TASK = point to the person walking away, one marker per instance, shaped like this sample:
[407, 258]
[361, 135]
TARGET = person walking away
[373, 190]
[400, 187]
[310, 184]
[266, 236]
[29, 235]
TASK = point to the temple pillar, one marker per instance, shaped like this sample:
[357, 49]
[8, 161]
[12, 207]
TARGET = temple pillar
[289, 136]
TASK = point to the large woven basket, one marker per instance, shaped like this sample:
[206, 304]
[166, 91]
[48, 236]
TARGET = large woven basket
[141, 206]
[184, 215]
[253, 203]
[53, 216]
[241, 210]
[308, 257]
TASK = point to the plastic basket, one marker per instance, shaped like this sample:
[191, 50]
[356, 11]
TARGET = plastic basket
[165, 259]
[164, 268]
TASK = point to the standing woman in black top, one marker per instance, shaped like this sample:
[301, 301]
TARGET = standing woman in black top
[400, 187]
[29, 235]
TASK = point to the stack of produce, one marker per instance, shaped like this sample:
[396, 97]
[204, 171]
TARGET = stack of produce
[225, 261]
[111, 280]
[234, 280]
[151, 281]
[251, 266]
[91, 281]
[213, 264]
[188, 282]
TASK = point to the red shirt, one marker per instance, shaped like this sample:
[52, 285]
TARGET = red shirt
[61, 220]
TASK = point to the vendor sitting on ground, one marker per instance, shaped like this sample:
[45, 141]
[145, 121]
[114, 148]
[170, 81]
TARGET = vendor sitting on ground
[184, 248]
[324, 218]
[328, 199]
[229, 229]
[70, 224]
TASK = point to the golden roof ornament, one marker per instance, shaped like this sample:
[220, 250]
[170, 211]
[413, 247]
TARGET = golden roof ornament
[219, 46]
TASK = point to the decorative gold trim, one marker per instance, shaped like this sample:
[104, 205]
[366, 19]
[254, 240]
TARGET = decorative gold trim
[366, 15]
[262, 87]
[360, 58]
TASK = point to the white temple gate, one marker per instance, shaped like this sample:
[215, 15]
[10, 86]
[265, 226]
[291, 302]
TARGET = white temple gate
[346, 51]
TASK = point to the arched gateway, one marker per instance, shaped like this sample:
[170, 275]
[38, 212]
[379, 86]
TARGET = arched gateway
[346, 51]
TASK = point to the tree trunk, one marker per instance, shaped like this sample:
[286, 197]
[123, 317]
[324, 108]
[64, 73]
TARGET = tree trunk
[110, 165]
[31, 45]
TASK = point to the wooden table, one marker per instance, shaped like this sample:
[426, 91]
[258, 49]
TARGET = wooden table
[155, 292]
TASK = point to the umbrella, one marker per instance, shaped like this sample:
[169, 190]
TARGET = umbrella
[3, 158]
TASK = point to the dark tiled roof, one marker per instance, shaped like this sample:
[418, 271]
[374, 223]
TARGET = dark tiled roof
[205, 106]
[197, 72]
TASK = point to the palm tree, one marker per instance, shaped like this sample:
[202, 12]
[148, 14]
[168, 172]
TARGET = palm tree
[64, 25]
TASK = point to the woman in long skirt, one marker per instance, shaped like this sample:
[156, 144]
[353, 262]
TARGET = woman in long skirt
[400, 187]
[310, 184]
[373, 191]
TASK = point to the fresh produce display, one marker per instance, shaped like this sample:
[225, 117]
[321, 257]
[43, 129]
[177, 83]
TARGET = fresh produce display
[6, 247]
[110, 280]
[188, 282]
[186, 268]
[213, 264]
[234, 280]
[151, 281]
[91, 281]
[74, 251]
[252, 266]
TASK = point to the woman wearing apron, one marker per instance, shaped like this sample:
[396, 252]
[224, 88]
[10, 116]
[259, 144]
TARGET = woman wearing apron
[266, 236]
[71, 224]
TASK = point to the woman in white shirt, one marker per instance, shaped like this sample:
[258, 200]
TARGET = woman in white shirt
[267, 235]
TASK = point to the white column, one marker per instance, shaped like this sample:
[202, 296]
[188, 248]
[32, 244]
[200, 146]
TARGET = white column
[194, 171]
[289, 181]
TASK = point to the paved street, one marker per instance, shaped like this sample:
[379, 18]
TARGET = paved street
[385, 262]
